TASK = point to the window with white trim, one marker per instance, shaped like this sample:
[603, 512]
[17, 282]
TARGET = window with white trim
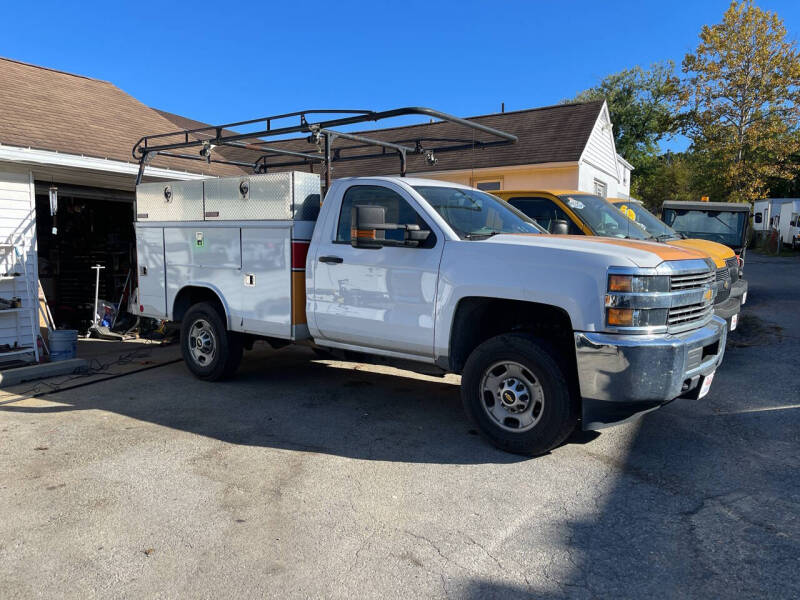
[600, 188]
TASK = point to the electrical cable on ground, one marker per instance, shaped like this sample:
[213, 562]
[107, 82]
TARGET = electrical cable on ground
[96, 367]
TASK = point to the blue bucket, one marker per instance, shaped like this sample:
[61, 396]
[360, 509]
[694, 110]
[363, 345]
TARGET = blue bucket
[63, 344]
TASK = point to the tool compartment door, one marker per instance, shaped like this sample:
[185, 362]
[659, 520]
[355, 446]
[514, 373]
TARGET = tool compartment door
[151, 275]
[266, 282]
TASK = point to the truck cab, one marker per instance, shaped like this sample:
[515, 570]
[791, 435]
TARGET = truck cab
[547, 332]
[592, 215]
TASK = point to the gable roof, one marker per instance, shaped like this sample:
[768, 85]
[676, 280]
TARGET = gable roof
[220, 152]
[551, 134]
[52, 110]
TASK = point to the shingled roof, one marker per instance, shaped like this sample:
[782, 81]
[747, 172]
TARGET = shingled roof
[552, 134]
[52, 110]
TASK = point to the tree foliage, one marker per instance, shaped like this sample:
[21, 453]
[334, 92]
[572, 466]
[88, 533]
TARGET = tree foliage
[742, 94]
[641, 103]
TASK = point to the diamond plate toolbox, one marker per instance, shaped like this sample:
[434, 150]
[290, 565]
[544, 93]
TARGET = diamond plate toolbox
[270, 197]
[170, 201]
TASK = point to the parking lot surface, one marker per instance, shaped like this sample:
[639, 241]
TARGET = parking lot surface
[307, 479]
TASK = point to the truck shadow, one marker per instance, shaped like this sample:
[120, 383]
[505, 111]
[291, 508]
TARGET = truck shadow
[289, 399]
[702, 503]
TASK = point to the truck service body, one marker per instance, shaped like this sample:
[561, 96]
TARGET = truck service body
[545, 330]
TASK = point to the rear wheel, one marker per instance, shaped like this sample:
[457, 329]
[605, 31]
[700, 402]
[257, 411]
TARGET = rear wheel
[209, 350]
[515, 391]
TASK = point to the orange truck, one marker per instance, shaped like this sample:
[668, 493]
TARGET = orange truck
[579, 213]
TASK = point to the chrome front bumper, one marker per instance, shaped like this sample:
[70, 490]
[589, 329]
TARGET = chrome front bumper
[623, 375]
[739, 289]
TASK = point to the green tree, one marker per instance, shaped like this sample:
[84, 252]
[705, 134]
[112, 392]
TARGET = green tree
[642, 104]
[742, 89]
[670, 176]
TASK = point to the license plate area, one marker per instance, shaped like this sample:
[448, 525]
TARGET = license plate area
[705, 386]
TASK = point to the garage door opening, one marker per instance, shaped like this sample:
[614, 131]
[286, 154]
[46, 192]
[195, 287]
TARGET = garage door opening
[94, 226]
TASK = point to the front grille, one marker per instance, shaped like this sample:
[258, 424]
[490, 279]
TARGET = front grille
[691, 281]
[687, 315]
[682, 317]
[733, 268]
[723, 278]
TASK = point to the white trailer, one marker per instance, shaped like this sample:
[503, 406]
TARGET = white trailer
[761, 216]
[767, 213]
[789, 225]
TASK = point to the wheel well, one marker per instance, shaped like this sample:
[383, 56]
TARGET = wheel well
[478, 319]
[191, 295]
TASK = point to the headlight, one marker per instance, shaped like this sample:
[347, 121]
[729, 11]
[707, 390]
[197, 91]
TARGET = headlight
[631, 301]
[638, 283]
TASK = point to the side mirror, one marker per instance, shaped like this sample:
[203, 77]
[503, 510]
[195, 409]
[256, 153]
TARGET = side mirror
[367, 226]
[559, 227]
[415, 236]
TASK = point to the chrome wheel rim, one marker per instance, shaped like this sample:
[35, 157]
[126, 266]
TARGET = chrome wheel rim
[202, 342]
[511, 396]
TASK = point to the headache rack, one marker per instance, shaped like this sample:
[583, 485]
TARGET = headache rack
[320, 133]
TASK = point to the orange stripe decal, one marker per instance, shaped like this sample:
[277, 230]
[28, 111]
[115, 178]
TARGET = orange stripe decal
[298, 298]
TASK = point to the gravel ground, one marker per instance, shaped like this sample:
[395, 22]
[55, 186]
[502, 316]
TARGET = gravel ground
[306, 479]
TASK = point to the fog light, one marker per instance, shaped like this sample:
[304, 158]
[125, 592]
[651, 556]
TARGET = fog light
[620, 317]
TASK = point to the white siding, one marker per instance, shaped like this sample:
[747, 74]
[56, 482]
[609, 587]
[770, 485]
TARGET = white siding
[624, 187]
[18, 227]
[588, 173]
[599, 152]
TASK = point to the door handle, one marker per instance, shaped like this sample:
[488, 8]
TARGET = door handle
[331, 260]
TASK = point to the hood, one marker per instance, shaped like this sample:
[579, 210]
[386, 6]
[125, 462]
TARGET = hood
[718, 252]
[626, 252]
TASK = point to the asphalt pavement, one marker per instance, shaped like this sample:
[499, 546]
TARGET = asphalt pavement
[317, 479]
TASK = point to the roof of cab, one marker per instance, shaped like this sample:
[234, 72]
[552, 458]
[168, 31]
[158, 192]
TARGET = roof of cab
[731, 206]
[621, 200]
[412, 181]
[543, 190]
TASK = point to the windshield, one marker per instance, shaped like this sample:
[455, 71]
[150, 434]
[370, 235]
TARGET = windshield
[725, 227]
[648, 220]
[473, 214]
[603, 218]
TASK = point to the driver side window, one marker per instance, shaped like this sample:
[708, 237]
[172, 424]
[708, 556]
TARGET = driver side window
[397, 211]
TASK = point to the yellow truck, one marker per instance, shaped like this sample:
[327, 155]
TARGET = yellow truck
[579, 213]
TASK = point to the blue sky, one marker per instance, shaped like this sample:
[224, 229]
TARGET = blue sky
[226, 61]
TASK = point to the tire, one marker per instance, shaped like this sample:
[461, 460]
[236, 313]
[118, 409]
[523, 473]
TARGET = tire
[210, 351]
[531, 416]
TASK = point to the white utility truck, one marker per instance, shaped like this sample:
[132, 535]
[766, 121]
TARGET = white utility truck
[546, 331]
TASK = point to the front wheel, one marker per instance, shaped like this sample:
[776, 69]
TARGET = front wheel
[515, 391]
[209, 350]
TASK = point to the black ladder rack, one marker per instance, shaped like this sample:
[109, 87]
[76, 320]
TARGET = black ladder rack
[320, 133]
